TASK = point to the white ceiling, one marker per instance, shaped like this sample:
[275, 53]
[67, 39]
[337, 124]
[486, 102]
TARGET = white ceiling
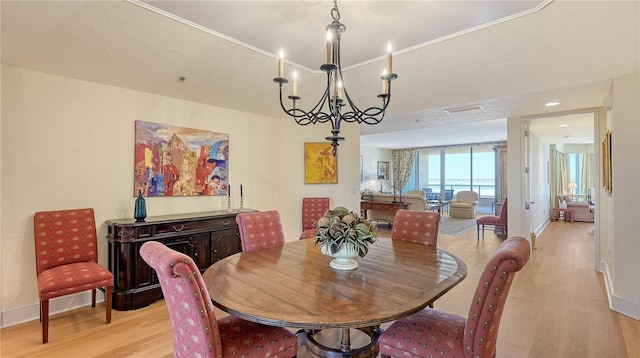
[511, 57]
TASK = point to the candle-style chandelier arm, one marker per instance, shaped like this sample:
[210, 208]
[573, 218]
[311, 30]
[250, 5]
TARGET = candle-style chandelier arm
[313, 116]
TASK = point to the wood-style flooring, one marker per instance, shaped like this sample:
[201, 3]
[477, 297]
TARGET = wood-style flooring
[557, 307]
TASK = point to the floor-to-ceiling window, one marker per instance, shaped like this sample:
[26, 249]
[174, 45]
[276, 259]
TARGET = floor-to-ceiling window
[441, 172]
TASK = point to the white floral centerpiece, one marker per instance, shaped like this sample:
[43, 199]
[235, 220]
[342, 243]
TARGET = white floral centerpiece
[343, 234]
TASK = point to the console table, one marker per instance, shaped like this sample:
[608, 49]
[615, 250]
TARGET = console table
[380, 205]
[563, 212]
[206, 237]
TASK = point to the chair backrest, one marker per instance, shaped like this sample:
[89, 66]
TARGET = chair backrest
[466, 196]
[312, 210]
[64, 237]
[503, 213]
[416, 226]
[260, 229]
[417, 192]
[448, 194]
[195, 329]
[481, 330]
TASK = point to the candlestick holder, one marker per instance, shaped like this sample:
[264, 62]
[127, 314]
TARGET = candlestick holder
[229, 208]
[242, 204]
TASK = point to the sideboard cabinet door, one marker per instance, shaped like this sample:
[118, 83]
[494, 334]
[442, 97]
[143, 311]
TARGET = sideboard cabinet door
[205, 237]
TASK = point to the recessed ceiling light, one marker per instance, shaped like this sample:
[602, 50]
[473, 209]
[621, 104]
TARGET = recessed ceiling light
[551, 104]
[563, 125]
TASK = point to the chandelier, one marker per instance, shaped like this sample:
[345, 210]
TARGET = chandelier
[335, 105]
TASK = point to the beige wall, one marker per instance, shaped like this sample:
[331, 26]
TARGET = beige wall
[622, 243]
[69, 144]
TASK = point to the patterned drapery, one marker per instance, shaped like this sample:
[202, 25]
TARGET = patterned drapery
[402, 161]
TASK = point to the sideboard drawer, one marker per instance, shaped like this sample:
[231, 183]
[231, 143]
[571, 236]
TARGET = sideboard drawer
[221, 223]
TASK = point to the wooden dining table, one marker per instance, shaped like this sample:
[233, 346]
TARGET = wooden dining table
[292, 285]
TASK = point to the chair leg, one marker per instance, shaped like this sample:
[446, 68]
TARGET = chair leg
[478, 231]
[93, 297]
[44, 313]
[107, 300]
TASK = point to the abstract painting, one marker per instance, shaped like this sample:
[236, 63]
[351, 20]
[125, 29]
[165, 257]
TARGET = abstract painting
[177, 161]
[320, 165]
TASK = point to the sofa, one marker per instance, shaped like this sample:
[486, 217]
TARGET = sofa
[415, 202]
[582, 210]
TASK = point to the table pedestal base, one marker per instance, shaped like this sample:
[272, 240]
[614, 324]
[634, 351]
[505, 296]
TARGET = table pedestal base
[317, 349]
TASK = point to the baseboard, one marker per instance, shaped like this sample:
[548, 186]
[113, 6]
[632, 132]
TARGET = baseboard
[31, 312]
[618, 303]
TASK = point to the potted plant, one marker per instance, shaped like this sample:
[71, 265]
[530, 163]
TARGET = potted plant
[344, 235]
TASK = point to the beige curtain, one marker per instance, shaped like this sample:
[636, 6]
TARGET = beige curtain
[558, 175]
[587, 173]
[402, 162]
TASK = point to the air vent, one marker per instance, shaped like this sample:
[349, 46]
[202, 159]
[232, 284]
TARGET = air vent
[463, 108]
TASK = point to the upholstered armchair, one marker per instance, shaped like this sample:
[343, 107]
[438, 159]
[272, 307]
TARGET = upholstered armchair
[582, 210]
[67, 259]
[260, 229]
[312, 210]
[464, 205]
[434, 333]
[196, 331]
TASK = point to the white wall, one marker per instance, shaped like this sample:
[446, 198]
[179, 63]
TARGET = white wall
[370, 158]
[623, 245]
[70, 144]
[540, 188]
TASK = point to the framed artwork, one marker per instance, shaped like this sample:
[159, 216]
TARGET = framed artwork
[320, 165]
[177, 161]
[606, 162]
[383, 170]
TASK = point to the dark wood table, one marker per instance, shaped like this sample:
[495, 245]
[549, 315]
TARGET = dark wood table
[293, 286]
[382, 206]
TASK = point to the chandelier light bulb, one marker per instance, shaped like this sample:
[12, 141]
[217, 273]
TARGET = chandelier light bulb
[389, 59]
[294, 89]
[281, 64]
[329, 47]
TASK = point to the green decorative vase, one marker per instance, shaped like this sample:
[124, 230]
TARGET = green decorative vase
[140, 210]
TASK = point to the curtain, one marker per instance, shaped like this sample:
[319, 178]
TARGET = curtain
[402, 161]
[558, 176]
[587, 173]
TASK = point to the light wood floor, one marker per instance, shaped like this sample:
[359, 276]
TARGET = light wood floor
[556, 308]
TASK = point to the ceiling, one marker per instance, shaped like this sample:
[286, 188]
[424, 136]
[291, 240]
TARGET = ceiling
[509, 57]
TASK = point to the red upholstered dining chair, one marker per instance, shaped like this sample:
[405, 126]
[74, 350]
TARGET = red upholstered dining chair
[416, 226]
[196, 331]
[67, 259]
[436, 333]
[312, 210]
[260, 229]
[498, 222]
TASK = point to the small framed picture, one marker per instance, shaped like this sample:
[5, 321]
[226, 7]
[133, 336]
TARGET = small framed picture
[383, 170]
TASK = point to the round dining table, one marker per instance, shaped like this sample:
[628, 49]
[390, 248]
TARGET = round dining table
[292, 285]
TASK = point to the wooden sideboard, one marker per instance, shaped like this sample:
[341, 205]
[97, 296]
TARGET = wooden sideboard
[383, 206]
[206, 237]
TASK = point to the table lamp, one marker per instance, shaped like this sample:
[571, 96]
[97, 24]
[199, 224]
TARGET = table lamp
[381, 178]
[572, 186]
